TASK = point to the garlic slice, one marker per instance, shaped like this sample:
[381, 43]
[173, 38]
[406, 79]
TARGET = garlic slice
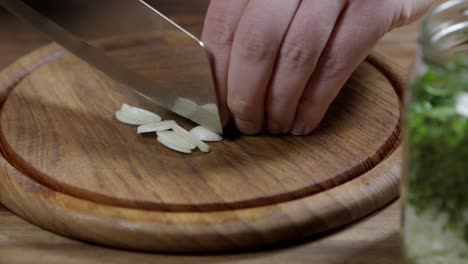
[204, 134]
[124, 118]
[137, 116]
[156, 127]
[126, 108]
[176, 139]
[194, 140]
[169, 144]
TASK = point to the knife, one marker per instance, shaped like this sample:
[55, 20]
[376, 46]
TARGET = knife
[133, 43]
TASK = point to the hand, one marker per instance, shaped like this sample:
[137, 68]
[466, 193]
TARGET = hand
[280, 63]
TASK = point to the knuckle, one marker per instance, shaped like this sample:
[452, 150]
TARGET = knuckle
[253, 45]
[296, 56]
[403, 14]
[311, 100]
[333, 66]
[219, 27]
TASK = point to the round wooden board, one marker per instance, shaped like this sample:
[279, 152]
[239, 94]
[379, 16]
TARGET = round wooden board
[70, 167]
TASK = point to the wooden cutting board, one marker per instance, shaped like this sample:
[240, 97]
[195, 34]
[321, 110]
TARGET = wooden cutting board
[71, 168]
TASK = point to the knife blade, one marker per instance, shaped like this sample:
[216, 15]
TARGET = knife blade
[133, 43]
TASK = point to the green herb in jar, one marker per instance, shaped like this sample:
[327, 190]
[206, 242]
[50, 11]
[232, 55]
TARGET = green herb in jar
[438, 144]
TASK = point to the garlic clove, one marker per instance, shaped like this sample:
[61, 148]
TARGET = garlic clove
[139, 115]
[169, 144]
[176, 139]
[156, 127]
[124, 118]
[200, 144]
[204, 134]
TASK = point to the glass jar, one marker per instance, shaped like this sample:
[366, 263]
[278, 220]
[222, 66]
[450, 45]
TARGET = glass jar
[435, 186]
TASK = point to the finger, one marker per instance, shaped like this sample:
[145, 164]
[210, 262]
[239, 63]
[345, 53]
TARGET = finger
[300, 51]
[254, 51]
[361, 25]
[221, 22]
[410, 11]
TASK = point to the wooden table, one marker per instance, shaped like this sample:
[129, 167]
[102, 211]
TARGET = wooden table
[373, 240]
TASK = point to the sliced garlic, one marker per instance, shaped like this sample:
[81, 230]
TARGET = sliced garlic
[176, 139]
[145, 114]
[170, 134]
[126, 108]
[204, 134]
[169, 144]
[200, 144]
[124, 118]
[156, 127]
[138, 116]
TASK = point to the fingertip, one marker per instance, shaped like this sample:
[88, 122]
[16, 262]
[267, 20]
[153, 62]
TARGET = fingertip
[280, 113]
[298, 128]
[308, 117]
[309, 129]
[247, 127]
[274, 128]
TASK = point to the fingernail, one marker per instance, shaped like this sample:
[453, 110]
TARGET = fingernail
[274, 128]
[309, 130]
[247, 127]
[298, 128]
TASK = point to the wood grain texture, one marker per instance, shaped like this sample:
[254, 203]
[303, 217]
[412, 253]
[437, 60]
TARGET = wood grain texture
[371, 241]
[66, 136]
[76, 168]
